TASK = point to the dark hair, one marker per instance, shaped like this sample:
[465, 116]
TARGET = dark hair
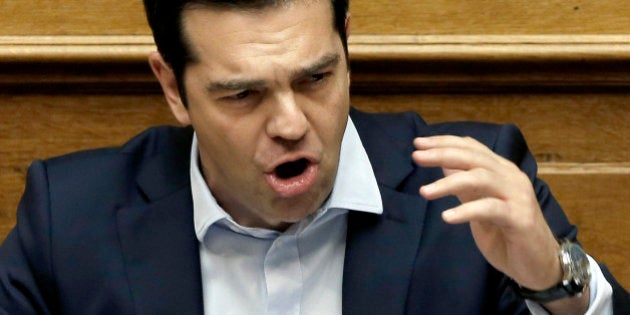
[165, 19]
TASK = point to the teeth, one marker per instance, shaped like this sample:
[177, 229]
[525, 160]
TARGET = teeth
[291, 169]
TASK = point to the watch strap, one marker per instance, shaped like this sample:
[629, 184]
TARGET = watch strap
[562, 290]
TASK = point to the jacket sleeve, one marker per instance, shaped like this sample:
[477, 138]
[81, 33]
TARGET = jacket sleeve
[26, 285]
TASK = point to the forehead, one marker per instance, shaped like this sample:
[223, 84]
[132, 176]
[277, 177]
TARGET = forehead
[221, 29]
[250, 5]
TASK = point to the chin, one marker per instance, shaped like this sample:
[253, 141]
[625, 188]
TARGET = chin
[290, 215]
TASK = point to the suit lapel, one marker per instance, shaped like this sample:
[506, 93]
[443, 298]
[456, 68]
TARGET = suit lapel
[160, 249]
[161, 254]
[381, 250]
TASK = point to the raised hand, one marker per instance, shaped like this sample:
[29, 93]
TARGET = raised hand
[499, 203]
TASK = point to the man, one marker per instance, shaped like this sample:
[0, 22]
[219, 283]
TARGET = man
[285, 201]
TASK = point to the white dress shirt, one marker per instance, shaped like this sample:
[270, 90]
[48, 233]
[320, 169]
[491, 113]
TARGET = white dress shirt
[299, 271]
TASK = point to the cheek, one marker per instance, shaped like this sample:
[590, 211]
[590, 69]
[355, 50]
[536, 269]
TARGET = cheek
[226, 163]
[230, 144]
[222, 131]
[338, 110]
[223, 142]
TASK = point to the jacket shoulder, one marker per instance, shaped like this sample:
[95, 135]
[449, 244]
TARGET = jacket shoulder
[149, 142]
[111, 173]
[408, 125]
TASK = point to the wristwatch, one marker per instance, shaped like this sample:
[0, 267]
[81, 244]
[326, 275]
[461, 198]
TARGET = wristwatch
[575, 280]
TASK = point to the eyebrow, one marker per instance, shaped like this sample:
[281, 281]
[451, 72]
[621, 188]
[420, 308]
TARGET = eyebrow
[234, 85]
[326, 61]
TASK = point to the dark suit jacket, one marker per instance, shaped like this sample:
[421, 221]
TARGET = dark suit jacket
[110, 231]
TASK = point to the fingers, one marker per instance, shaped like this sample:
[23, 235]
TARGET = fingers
[474, 184]
[499, 202]
[448, 141]
[490, 210]
[454, 153]
[480, 210]
[472, 170]
[486, 183]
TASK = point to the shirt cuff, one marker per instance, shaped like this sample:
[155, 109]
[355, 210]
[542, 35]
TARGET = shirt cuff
[600, 294]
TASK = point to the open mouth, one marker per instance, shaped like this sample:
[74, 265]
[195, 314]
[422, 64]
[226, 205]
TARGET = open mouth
[291, 169]
[293, 178]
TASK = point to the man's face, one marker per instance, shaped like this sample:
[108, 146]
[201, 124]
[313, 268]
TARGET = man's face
[268, 98]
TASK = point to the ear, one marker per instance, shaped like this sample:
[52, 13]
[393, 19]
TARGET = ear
[168, 81]
[347, 26]
[348, 18]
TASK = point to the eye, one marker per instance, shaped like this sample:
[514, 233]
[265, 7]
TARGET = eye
[313, 81]
[241, 95]
[317, 77]
[241, 98]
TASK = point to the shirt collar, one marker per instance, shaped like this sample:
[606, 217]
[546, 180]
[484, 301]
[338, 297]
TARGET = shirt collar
[354, 189]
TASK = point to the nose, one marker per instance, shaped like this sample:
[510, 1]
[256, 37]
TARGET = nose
[287, 120]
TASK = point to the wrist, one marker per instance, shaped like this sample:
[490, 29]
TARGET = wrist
[575, 271]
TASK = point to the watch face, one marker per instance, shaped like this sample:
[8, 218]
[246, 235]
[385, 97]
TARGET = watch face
[578, 265]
